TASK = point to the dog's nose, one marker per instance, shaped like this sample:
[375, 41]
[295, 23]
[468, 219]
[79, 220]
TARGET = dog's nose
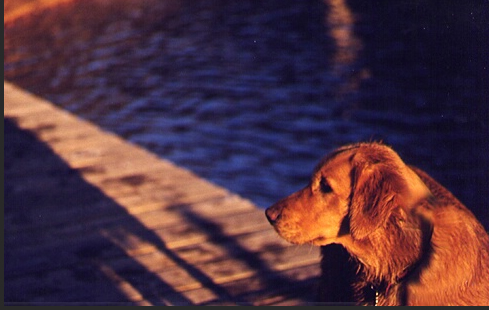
[273, 214]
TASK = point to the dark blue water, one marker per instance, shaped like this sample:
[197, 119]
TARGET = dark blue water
[251, 94]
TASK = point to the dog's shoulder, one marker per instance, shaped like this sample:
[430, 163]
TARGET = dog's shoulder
[457, 236]
[447, 208]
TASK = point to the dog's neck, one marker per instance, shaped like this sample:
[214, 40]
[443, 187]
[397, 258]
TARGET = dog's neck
[384, 290]
[389, 281]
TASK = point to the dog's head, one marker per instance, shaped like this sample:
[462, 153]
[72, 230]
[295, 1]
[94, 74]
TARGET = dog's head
[353, 191]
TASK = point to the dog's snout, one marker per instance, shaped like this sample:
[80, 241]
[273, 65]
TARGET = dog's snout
[273, 214]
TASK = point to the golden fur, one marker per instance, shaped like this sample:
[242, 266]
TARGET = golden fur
[407, 238]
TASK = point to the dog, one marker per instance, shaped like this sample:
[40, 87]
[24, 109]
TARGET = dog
[389, 233]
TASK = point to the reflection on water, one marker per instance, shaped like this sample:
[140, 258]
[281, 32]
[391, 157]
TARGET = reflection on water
[340, 23]
[347, 47]
[251, 94]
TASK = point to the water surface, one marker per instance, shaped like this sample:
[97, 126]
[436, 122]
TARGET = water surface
[251, 94]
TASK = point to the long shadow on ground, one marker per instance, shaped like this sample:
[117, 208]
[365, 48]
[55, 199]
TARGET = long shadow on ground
[56, 251]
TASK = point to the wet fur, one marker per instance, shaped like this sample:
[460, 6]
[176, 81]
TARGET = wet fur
[386, 228]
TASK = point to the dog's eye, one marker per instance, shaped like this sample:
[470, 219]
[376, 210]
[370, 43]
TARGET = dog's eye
[324, 186]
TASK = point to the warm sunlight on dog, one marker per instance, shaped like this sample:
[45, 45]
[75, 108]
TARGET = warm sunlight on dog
[408, 240]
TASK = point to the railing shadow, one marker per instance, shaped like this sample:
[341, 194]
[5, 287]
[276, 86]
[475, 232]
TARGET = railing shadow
[270, 278]
[56, 253]
[44, 200]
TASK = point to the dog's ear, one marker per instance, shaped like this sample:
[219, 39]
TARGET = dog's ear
[381, 182]
[374, 196]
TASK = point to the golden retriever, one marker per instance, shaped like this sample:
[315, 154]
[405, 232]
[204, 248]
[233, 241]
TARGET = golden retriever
[406, 239]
